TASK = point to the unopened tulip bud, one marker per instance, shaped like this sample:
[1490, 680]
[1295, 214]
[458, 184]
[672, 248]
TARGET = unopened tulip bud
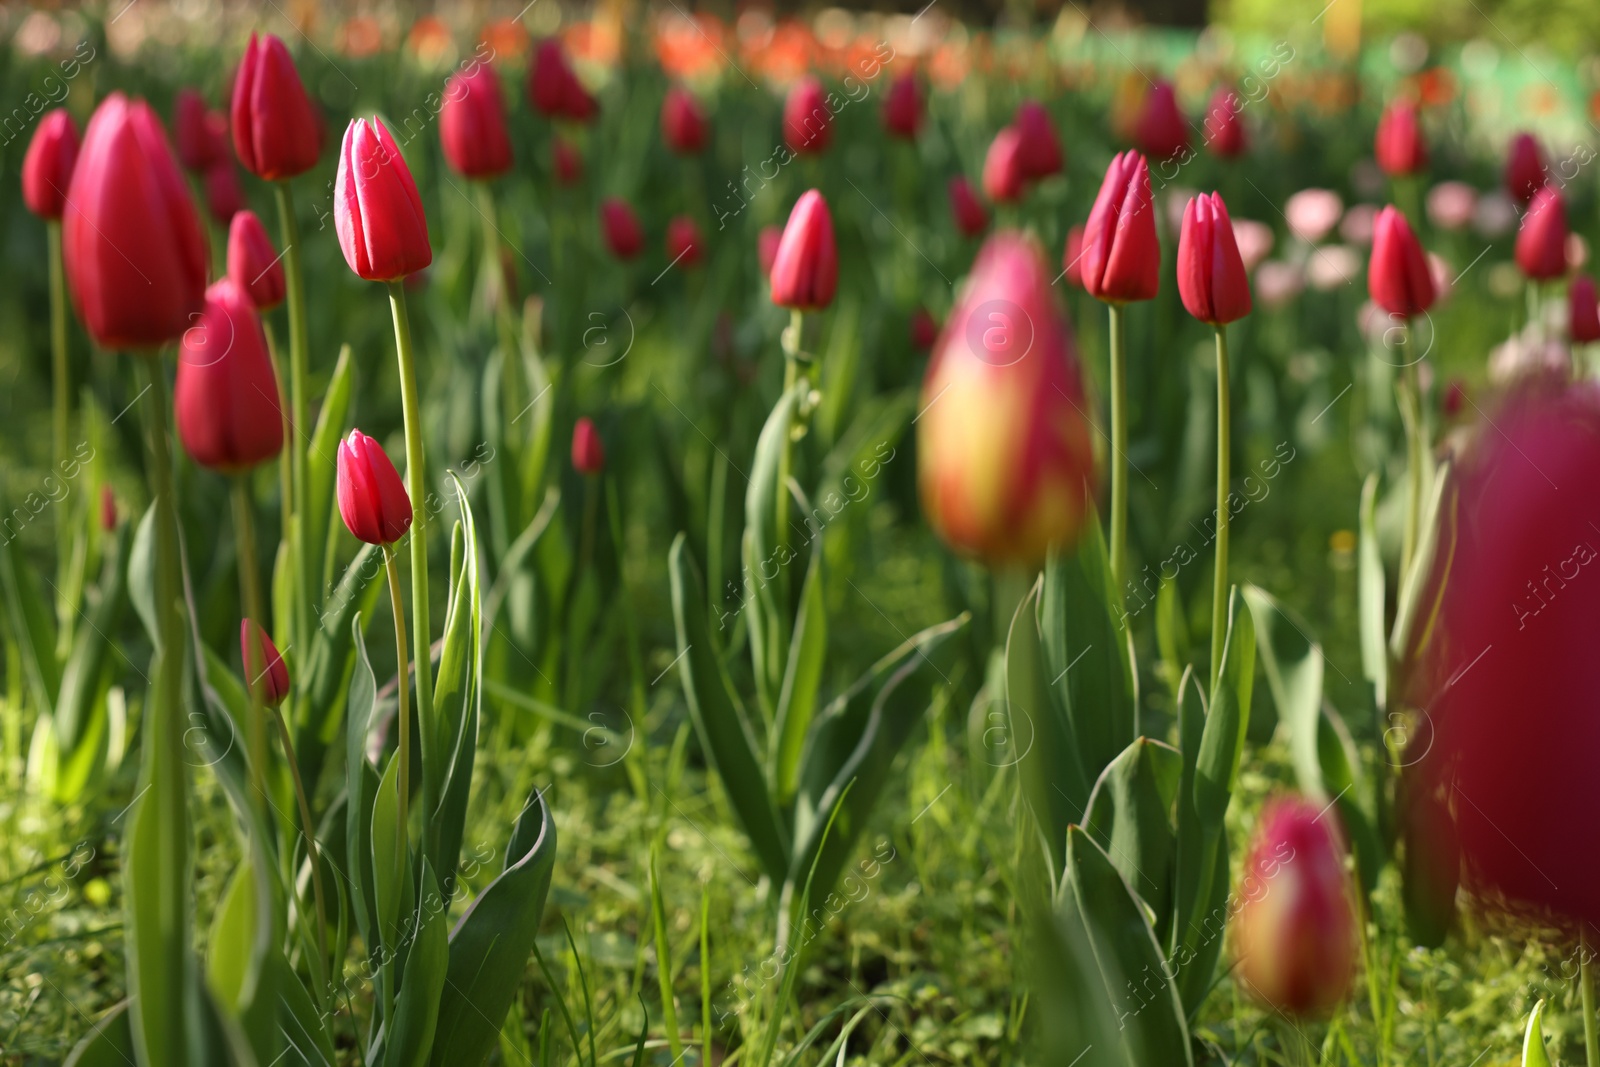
[1399, 145]
[1121, 255]
[1583, 311]
[472, 125]
[1161, 132]
[276, 130]
[805, 269]
[902, 107]
[1542, 240]
[807, 122]
[225, 400]
[196, 133]
[1041, 148]
[224, 195]
[966, 208]
[253, 264]
[1398, 278]
[47, 168]
[1003, 171]
[372, 499]
[1224, 129]
[683, 242]
[588, 451]
[567, 163]
[264, 668]
[377, 212]
[553, 86]
[1526, 173]
[1211, 276]
[621, 229]
[683, 123]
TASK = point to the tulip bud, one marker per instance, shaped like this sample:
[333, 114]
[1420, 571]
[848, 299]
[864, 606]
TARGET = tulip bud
[588, 451]
[372, 499]
[263, 667]
[135, 253]
[553, 86]
[1003, 170]
[472, 125]
[807, 122]
[1295, 932]
[805, 269]
[1224, 130]
[1526, 173]
[924, 330]
[621, 228]
[966, 208]
[198, 147]
[1455, 398]
[225, 401]
[683, 241]
[252, 263]
[683, 124]
[47, 168]
[1072, 257]
[224, 196]
[1005, 464]
[1121, 256]
[1161, 131]
[377, 212]
[1583, 311]
[1211, 278]
[568, 164]
[767, 242]
[1398, 279]
[902, 107]
[1041, 148]
[1542, 240]
[276, 130]
[108, 509]
[1399, 145]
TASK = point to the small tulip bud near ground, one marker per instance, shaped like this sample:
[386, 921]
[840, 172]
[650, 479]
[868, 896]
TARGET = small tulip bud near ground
[1398, 278]
[372, 500]
[472, 124]
[1121, 255]
[805, 268]
[1004, 175]
[588, 451]
[620, 227]
[807, 121]
[47, 167]
[264, 668]
[226, 400]
[1041, 148]
[1162, 132]
[377, 211]
[965, 207]
[276, 131]
[903, 106]
[1526, 172]
[683, 122]
[1542, 240]
[1399, 144]
[253, 264]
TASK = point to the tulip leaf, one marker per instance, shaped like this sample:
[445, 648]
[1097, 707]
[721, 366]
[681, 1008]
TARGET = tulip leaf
[1421, 590]
[142, 575]
[1127, 816]
[767, 553]
[85, 667]
[239, 951]
[1372, 593]
[1077, 1021]
[1188, 891]
[797, 700]
[1227, 721]
[109, 1042]
[32, 626]
[390, 864]
[1430, 868]
[303, 1028]
[458, 697]
[1172, 635]
[409, 1035]
[1054, 780]
[158, 957]
[361, 789]
[322, 466]
[332, 658]
[1533, 1050]
[1293, 664]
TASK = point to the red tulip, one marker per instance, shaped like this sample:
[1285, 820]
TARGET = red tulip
[1224, 130]
[226, 401]
[372, 499]
[263, 666]
[1211, 276]
[1399, 146]
[621, 228]
[683, 123]
[1072, 257]
[276, 130]
[971, 218]
[553, 86]
[252, 263]
[472, 125]
[201, 135]
[224, 195]
[1295, 931]
[683, 241]
[902, 107]
[568, 164]
[1003, 170]
[47, 168]
[1041, 148]
[805, 269]
[377, 212]
[1398, 279]
[1005, 463]
[1542, 240]
[767, 242]
[1526, 172]
[924, 329]
[1161, 131]
[807, 121]
[108, 509]
[1455, 398]
[588, 451]
[1583, 311]
[1121, 256]
[135, 252]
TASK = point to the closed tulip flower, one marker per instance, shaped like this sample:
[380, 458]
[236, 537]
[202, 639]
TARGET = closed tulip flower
[1003, 170]
[1295, 933]
[1224, 129]
[135, 253]
[683, 242]
[276, 130]
[1211, 277]
[253, 264]
[1398, 279]
[566, 162]
[588, 451]
[767, 242]
[472, 125]
[807, 121]
[683, 123]
[805, 269]
[1583, 311]
[1121, 256]
[902, 107]
[264, 668]
[1005, 464]
[377, 212]
[1161, 131]
[553, 86]
[1041, 148]
[966, 208]
[1399, 146]
[1542, 240]
[620, 227]
[1526, 172]
[225, 400]
[47, 167]
[200, 134]
[372, 499]
[224, 195]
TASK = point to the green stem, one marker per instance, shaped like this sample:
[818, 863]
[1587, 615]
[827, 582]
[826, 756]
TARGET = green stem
[1119, 450]
[1591, 1035]
[61, 374]
[1410, 399]
[791, 376]
[498, 292]
[308, 831]
[299, 370]
[1219, 585]
[402, 687]
[285, 476]
[244, 534]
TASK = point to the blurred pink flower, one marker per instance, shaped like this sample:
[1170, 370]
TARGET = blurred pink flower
[1522, 356]
[1443, 276]
[1313, 213]
[1577, 251]
[1451, 205]
[1494, 216]
[1254, 240]
[1356, 226]
[1332, 266]
[1175, 199]
[1277, 282]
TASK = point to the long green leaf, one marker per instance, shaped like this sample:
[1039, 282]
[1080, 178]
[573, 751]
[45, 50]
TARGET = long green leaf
[109, 1042]
[81, 680]
[1533, 1050]
[1222, 743]
[1128, 817]
[1054, 781]
[1371, 596]
[408, 1041]
[797, 700]
[460, 707]
[767, 555]
[322, 466]
[32, 623]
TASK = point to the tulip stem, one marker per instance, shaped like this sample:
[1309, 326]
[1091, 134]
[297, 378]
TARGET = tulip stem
[308, 831]
[791, 377]
[402, 668]
[61, 374]
[250, 592]
[285, 478]
[1591, 1036]
[1219, 585]
[1119, 449]
[1410, 396]
[299, 365]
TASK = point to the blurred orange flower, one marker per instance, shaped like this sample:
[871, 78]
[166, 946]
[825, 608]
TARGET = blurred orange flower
[359, 37]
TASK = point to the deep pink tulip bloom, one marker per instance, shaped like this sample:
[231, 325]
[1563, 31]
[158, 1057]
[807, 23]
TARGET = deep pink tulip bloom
[47, 167]
[225, 400]
[276, 130]
[472, 124]
[1398, 279]
[377, 211]
[1121, 255]
[805, 269]
[253, 263]
[1211, 275]
[807, 119]
[372, 499]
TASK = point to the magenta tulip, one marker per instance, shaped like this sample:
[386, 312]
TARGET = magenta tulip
[276, 131]
[47, 167]
[377, 211]
[225, 400]
[1121, 255]
[805, 269]
[372, 499]
[472, 125]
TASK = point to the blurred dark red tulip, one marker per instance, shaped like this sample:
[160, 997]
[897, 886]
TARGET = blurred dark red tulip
[683, 122]
[1224, 129]
[620, 227]
[225, 401]
[568, 164]
[1294, 932]
[1004, 173]
[1542, 240]
[924, 329]
[377, 212]
[805, 269]
[966, 208]
[1005, 462]
[1041, 148]
[553, 86]
[1398, 279]
[1399, 146]
[807, 122]
[47, 168]
[1072, 257]
[1455, 398]
[372, 499]
[902, 106]
[588, 451]
[276, 130]
[224, 194]
[1161, 132]
[1526, 173]
[135, 252]
[472, 124]
[1211, 277]
[1121, 256]
[767, 242]
[253, 263]
[1583, 311]
[683, 242]
[108, 509]
[201, 135]
[263, 667]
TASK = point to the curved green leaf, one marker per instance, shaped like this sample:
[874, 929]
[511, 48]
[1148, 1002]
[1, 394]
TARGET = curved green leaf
[109, 1042]
[1533, 1050]
[408, 1037]
[797, 700]
[1127, 816]
[1055, 781]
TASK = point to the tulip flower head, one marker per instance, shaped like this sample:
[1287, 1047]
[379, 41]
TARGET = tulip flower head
[924, 330]
[807, 119]
[224, 195]
[1161, 132]
[588, 451]
[1399, 145]
[621, 228]
[767, 242]
[264, 668]
[372, 499]
[1224, 129]
[566, 162]
[134, 251]
[1313, 213]
[276, 131]
[683, 123]
[1526, 172]
[902, 107]
[966, 208]
[377, 211]
[1398, 279]
[1583, 311]
[47, 168]
[1211, 277]
[805, 269]
[683, 242]
[1542, 240]
[1041, 148]
[201, 134]
[1004, 173]
[472, 124]
[253, 264]
[225, 400]
[554, 88]
[1454, 399]
[1121, 256]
